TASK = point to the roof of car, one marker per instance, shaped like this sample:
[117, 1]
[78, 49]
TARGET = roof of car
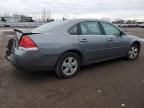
[81, 20]
[86, 20]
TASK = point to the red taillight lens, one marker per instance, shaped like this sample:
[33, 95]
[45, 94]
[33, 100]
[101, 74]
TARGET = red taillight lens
[27, 42]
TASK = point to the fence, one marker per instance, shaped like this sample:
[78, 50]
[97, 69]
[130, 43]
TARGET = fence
[131, 25]
[20, 24]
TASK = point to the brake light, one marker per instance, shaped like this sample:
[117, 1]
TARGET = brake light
[27, 42]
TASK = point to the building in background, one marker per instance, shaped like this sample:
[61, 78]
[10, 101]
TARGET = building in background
[16, 18]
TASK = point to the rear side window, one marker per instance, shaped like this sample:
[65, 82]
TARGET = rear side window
[90, 28]
[73, 30]
[110, 29]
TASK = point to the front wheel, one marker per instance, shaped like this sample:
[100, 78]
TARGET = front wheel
[133, 52]
[68, 65]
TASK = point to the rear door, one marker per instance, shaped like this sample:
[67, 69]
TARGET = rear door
[117, 44]
[92, 40]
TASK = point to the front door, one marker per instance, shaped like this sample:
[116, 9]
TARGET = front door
[117, 43]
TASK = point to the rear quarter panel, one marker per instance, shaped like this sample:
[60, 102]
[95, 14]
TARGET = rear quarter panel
[55, 43]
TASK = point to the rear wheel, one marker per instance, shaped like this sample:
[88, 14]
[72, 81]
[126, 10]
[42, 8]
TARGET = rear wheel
[68, 65]
[133, 52]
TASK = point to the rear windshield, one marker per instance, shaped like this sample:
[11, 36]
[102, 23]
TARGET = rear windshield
[47, 27]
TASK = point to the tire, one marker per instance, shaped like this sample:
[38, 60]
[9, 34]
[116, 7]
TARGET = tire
[133, 52]
[68, 65]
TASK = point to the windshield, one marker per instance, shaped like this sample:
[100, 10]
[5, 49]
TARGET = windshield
[47, 27]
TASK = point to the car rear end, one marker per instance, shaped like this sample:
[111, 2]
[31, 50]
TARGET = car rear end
[24, 53]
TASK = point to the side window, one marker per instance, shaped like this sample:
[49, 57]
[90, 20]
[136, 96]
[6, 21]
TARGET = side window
[110, 29]
[90, 28]
[73, 30]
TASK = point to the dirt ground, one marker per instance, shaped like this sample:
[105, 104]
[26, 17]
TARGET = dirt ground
[112, 84]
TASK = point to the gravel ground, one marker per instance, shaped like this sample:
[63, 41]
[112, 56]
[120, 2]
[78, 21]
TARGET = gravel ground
[112, 84]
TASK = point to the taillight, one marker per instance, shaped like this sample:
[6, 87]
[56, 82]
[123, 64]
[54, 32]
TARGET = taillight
[27, 42]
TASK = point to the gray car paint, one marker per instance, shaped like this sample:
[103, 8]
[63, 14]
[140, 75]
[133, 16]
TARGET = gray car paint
[53, 44]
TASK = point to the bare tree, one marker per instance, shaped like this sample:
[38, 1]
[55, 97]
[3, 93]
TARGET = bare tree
[119, 21]
[64, 18]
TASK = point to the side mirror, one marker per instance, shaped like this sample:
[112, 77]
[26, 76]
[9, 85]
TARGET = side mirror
[122, 33]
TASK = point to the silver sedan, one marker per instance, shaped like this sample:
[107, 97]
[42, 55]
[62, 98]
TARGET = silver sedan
[65, 46]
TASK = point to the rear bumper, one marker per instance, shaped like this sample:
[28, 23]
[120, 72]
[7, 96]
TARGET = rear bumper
[32, 60]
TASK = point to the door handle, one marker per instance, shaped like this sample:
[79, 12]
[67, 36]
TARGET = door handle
[110, 39]
[83, 40]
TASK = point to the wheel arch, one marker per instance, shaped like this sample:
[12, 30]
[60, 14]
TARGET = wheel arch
[137, 43]
[79, 53]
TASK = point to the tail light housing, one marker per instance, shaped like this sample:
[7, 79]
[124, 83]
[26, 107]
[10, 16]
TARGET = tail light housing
[26, 42]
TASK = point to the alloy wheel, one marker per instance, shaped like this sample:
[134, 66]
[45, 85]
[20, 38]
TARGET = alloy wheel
[69, 66]
[133, 52]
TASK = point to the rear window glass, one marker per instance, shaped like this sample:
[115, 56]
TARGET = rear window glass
[73, 30]
[47, 27]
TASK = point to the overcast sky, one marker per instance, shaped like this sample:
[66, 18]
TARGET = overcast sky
[133, 9]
